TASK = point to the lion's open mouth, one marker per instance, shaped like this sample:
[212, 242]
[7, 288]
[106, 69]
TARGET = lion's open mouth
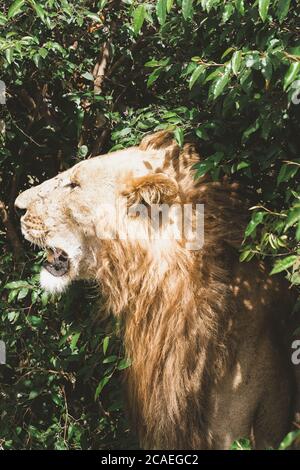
[57, 262]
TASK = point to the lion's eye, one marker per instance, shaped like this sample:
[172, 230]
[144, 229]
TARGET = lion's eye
[73, 185]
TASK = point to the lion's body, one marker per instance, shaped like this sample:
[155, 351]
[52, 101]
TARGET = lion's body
[203, 331]
[208, 364]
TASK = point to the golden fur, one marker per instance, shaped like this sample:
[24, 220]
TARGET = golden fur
[203, 331]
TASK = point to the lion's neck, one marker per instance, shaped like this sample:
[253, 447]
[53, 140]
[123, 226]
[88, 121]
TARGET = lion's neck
[170, 334]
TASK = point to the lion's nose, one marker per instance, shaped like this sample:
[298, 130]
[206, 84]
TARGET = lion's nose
[21, 203]
[20, 211]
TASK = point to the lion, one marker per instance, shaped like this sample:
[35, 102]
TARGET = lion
[204, 332]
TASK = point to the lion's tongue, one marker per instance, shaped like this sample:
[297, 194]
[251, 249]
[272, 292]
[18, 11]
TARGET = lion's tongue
[57, 262]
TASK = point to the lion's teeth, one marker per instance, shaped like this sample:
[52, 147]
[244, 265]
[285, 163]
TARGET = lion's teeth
[50, 256]
[56, 254]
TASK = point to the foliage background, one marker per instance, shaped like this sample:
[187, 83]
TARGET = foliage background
[85, 77]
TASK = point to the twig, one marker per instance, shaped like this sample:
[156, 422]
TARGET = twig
[267, 210]
[274, 255]
[26, 135]
[66, 415]
[291, 163]
[293, 57]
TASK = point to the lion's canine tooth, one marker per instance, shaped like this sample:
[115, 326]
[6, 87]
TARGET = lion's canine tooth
[50, 256]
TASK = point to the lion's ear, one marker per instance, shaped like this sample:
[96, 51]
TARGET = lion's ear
[157, 188]
[159, 140]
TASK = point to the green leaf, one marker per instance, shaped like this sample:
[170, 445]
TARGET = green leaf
[291, 74]
[213, 75]
[44, 298]
[37, 60]
[240, 6]
[293, 218]
[283, 264]
[138, 18]
[202, 133]
[105, 344]
[187, 9]
[43, 52]
[3, 19]
[289, 439]
[257, 219]
[195, 75]
[246, 255]
[12, 295]
[236, 61]
[17, 285]
[287, 172]
[242, 165]
[41, 13]
[253, 60]
[89, 14]
[15, 8]
[33, 394]
[35, 320]
[266, 68]
[71, 430]
[101, 385]
[263, 8]
[34, 297]
[282, 9]
[179, 136]
[226, 52]
[9, 55]
[251, 129]
[227, 13]
[203, 168]
[56, 399]
[220, 84]
[294, 51]
[298, 232]
[169, 5]
[23, 293]
[124, 364]
[154, 76]
[82, 151]
[110, 359]
[161, 11]
[12, 316]
[208, 4]
[157, 63]
[241, 444]
[88, 76]
[74, 341]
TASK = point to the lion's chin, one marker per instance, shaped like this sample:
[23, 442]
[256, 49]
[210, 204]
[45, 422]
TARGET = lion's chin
[54, 284]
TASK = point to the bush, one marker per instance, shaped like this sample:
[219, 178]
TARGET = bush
[86, 77]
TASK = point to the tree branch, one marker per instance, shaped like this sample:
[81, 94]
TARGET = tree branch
[100, 68]
[11, 233]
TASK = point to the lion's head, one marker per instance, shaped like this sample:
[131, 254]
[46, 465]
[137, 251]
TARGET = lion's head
[96, 200]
